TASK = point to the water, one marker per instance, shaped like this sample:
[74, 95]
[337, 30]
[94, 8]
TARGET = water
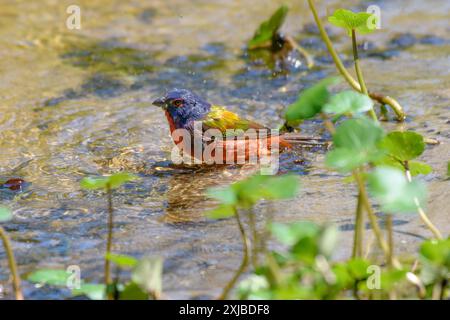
[78, 102]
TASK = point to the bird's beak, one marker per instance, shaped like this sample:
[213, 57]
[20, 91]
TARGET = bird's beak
[160, 102]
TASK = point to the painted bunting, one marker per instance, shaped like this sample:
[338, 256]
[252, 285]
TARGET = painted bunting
[195, 116]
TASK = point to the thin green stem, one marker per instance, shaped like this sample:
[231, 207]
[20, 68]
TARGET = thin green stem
[359, 73]
[437, 234]
[372, 218]
[244, 263]
[12, 264]
[109, 239]
[255, 238]
[390, 233]
[358, 235]
[396, 107]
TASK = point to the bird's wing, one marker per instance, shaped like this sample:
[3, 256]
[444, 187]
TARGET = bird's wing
[222, 119]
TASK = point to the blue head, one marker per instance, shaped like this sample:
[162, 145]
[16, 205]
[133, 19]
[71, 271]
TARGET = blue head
[183, 106]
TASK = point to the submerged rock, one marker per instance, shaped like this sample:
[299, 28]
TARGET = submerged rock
[405, 40]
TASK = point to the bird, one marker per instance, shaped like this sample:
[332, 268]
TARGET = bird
[222, 135]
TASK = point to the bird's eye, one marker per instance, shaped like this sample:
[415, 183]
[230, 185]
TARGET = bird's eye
[177, 103]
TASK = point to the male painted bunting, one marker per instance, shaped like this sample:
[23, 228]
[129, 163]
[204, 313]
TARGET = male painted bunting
[186, 110]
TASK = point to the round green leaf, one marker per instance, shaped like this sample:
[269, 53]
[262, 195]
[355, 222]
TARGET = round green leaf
[93, 183]
[224, 195]
[394, 192]
[5, 214]
[310, 101]
[283, 187]
[290, 234]
[221, 212]
[358, 134]
[93, 291]
[403, 146]
[436, 252]
[361, 22]
[416, 168]
[133, 292]
[348, 102]
[122, 260]
[346, 160]
[114, 181]
[355, 143]
[357, 268]
[54, 277]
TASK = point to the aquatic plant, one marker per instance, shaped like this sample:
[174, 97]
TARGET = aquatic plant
[354, 22]
[359, 142]
[5, 215]
[306, 270]
[243, 195]
[107, 184]
[268, 37]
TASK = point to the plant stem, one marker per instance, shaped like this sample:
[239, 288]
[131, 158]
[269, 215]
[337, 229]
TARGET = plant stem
[373, 219]
[255, 238]
[347, 76]
[437, 234]
[359, 229]
[359, 74]
[365, 202]
[230, 285]
[390, 232]
[12, 264]
[109, 239]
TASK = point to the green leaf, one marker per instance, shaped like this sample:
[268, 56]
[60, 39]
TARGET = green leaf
[122, 260]
[390, 278]
[93, 291]
[403, 146]
[114, 181]
[362, 22]
[346, 160]
[269, 28]
[54, 277]
[221, 212]
[224, 195]
[394, 192]
[283, 187]
[148, 275]
[5, 214]
[415, 167]
[357, 267]
[310, 101]
[435, 259]
[357, 134]
[348, 102]
[436, 252]
[448, 169]
[248, 192]
[355, 144]
[306, 249]
[133, 292]
[290, 234]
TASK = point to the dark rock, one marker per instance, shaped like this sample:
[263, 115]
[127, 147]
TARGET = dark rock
[433, 40]
[405, 40]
